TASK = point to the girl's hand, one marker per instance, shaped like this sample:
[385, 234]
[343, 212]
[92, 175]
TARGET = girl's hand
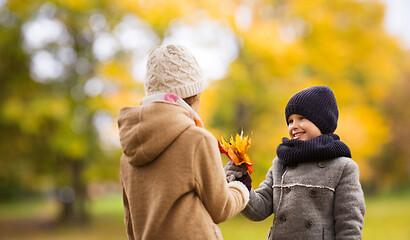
[234, 172]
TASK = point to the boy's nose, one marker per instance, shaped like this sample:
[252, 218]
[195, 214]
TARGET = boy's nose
[295, 124]
[293, 127]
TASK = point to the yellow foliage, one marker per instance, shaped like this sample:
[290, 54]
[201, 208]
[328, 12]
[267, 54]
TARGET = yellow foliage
[237, 149]
[365, 131]
[341, 44]
[79, 5]
[118, 73]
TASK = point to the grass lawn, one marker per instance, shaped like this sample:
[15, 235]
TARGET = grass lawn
[35, 220]
[387, 217]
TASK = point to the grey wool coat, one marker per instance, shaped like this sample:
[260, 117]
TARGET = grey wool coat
[313, 200]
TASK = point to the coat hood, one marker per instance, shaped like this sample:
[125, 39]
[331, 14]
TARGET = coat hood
[146, 131]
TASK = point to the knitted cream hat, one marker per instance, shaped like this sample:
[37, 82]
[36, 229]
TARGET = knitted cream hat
[173, 69]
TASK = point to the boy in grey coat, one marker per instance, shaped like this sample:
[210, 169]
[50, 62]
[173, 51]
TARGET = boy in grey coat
[313, 185]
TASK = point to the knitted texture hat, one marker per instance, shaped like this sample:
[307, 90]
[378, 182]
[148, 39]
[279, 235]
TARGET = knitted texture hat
[173, 69]
[318, 104]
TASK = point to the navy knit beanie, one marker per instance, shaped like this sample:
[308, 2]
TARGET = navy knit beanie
[318, 104]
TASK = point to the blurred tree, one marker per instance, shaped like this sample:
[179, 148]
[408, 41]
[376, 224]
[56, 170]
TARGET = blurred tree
[287, 46]
[291, 45]
[392, 166]
[14, 139]
[66, 73]
[49, 125]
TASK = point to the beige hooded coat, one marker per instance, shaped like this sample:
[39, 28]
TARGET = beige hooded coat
[172, 176]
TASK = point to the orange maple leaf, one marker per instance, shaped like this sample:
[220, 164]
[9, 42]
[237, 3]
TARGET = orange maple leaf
[236, 150]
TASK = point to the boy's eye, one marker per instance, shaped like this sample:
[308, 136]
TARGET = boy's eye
[301, 117]
[290, 121]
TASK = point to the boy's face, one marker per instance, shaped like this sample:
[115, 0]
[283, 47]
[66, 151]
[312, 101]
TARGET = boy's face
[301, 128]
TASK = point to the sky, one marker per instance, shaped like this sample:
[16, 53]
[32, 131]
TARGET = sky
[397, 20]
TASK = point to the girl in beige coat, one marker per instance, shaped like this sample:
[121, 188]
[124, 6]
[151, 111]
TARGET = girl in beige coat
[173, 181]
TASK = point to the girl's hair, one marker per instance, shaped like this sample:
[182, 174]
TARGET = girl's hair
[191, 100]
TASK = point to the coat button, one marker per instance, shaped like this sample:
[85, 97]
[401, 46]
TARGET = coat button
[309, 224]
[321, 164]
[282, 219]
[313, 193]
[287, 190]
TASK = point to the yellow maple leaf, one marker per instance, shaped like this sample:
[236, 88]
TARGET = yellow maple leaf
[236, 150]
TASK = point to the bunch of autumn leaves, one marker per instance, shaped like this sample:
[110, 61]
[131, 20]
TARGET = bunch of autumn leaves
[236, 150]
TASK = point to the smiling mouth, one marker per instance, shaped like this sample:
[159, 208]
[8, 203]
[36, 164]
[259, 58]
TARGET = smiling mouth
[298, 135]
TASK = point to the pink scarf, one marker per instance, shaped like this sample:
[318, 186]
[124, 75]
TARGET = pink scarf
[172, 98]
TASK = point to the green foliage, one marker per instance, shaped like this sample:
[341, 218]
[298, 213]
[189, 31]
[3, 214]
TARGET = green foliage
[48, 137]
[392, 166]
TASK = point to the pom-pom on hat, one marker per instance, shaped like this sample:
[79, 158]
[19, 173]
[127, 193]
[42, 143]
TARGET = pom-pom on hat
[173, 69]
[318, 104]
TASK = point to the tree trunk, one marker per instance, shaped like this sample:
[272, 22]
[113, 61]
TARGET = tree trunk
[242, 121]
[73, 198]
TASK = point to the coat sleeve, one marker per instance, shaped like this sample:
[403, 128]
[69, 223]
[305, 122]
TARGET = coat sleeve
[260, 205]
[221, 200]
[349, 205]
[127, 216]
